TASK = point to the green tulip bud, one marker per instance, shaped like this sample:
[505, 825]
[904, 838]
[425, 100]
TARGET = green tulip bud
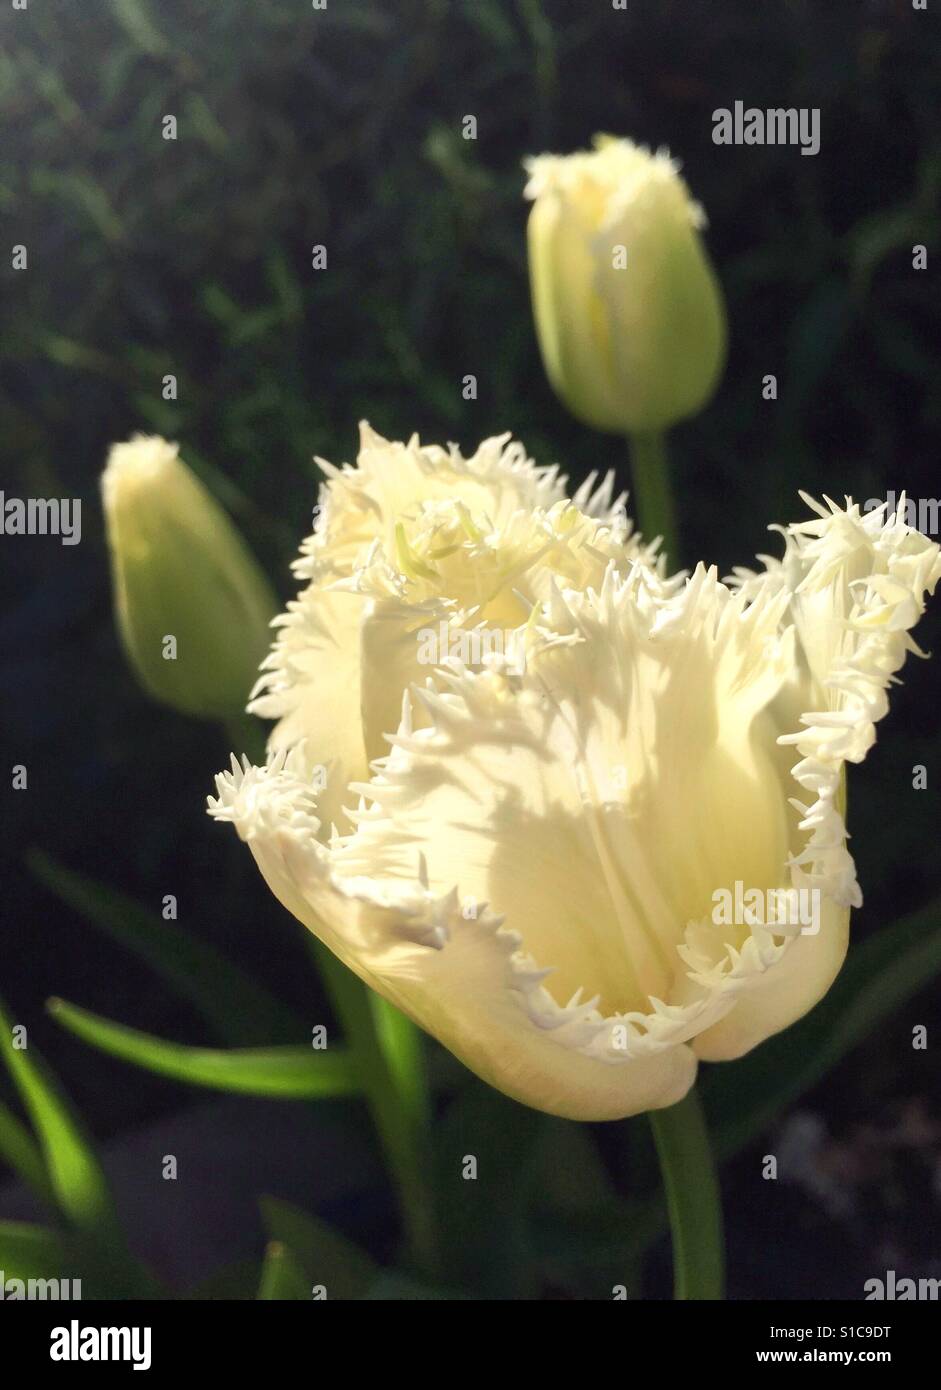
[628, 311]
[192, 605]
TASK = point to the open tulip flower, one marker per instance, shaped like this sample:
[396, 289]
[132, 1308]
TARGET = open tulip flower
[526, 857]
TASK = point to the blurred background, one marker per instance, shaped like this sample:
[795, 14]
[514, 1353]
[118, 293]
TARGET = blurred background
[192, 257]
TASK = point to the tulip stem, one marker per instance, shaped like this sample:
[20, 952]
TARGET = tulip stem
[693, 1199]
[387, 1051]
[654, 507]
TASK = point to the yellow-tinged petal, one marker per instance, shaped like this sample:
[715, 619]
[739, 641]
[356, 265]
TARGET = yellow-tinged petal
[311, 684]
[412, 538]
[462, 978]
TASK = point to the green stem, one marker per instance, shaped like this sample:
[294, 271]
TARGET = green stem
[654, 507]
[693, 1199]
[386, 1052]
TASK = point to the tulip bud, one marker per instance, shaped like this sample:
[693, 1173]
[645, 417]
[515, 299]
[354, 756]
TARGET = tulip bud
[192, 605]
[628, 311]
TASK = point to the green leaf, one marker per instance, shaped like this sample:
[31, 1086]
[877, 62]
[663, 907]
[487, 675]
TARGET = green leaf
[742, 1098]
[257, 324]
[324, 1256]
[237, 1009]
[290, 1073]
[82, 196]
[19, 1151]
[282, 1277]
[32, 1252]
[75, 356]
[75, 1177]
[220, 304]
[135, 19]
[200, 120]
[879, 235]
[75, 1174]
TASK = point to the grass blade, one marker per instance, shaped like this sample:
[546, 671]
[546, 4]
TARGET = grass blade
[19, 1151]
[74, 1172]
[289, 1073]
[282, 1279]
[324, 1256]
[31, 1252]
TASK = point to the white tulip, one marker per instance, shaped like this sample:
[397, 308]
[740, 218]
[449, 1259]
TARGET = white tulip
[532, 869]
